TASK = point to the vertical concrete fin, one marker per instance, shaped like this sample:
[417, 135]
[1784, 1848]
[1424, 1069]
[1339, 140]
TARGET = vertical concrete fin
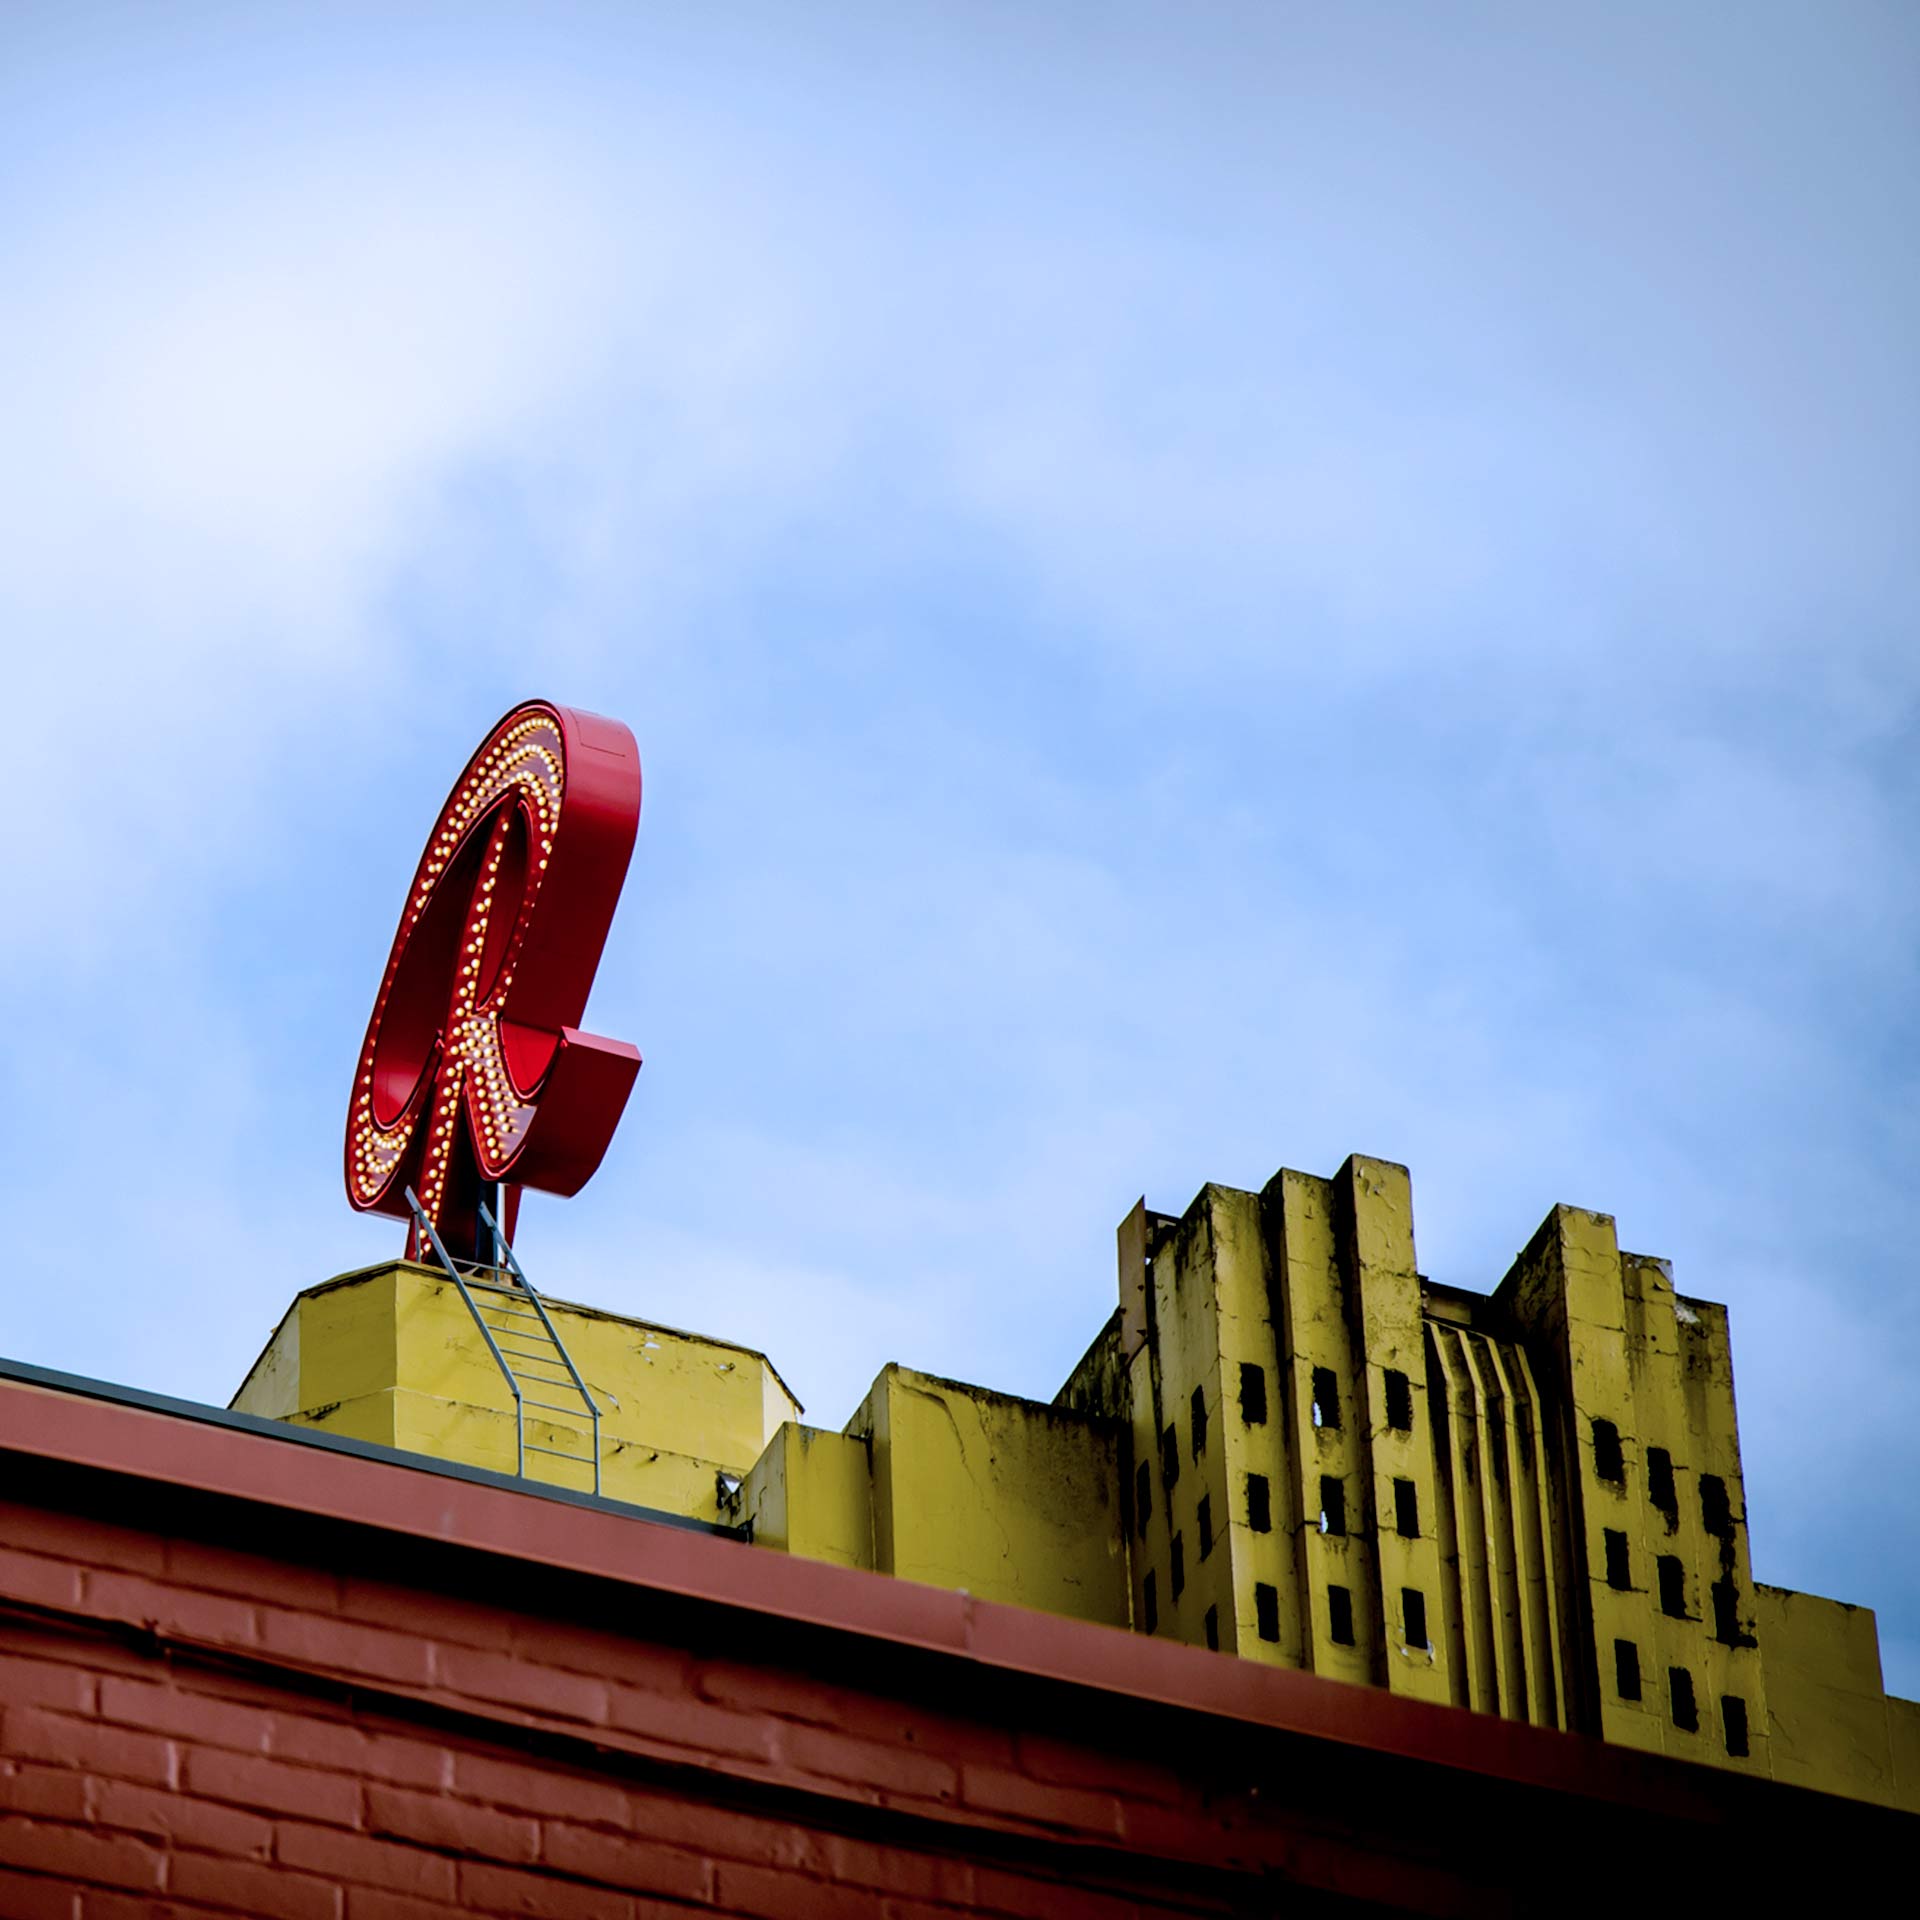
[1469, 1517]
[1303, 1288]
[1326, 1425]
[1373, 1207]
[1495, 1481]
[1131, 1243]
[1547, 1559]
[1567, 1293]
[1446, 1524]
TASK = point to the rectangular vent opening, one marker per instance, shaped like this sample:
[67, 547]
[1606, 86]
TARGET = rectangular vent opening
[1266, 1610]
[1259, 1503]
[1626, 1670]
[1727, 1628]
[1733, 1725]
[1253, 1394]
[1413, 1616]
[1716, 1510]
[1619, 1574]
[1399, 1401]
[1686, 1714]
[1609, 1462]
[1333, 1504]
[1673, 1586]
[1326, 1398]
[1660, 1487]
[1340, 1616]
[1406, 1510]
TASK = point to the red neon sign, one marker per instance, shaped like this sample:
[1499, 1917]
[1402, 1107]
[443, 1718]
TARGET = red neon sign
[473, 1069]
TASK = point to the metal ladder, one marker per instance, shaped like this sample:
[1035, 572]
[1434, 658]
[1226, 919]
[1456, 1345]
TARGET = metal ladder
[479, 1276]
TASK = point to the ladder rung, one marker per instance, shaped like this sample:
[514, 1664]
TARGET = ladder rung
[551, 1407]
[513, 1313]
[543, 1379]
[580, 1459]
[541, 1358]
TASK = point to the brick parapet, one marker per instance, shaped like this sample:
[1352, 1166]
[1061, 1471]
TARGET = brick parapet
[220, 1693]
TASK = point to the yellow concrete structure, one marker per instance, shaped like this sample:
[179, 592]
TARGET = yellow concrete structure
[1528, 1502]
[391, 1354]
[1285, 1444]
[957, 1487]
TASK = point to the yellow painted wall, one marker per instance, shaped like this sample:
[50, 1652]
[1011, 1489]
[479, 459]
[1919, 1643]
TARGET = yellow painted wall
[811, 1493]
[1833, 1726]
[1009, 1499]
[391, 1354]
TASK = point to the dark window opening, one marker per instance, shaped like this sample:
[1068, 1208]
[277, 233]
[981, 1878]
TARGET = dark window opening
[1686, 1715]
[1170, 1459]
[1726, 1615]
[1212, 1624]
[1413, 1615]
[1673, 1586]
[1142, 1498]
[1178, 1583]
[1253, 1394]
[1150, 1605]
[1660, 1487]
[1733, 1724]
[1626, 1670]
[1333, 1504]
[1716, 1511]
[1199, 1420]
[1618, 1572]
[1266, 1610]
[1205, 1518]
[1399, 1401]
[1259, 1504]
[1406, 1510]
[1608, 1461]
[1326, 1398]
[1339, 1616]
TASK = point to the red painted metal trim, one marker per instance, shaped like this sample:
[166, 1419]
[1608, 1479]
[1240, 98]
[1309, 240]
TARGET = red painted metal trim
[142, 1446]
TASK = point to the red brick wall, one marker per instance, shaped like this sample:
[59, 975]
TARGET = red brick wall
[192, 1729]
[259, 1698]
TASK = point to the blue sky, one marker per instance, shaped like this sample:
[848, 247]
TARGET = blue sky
[1200, 588]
